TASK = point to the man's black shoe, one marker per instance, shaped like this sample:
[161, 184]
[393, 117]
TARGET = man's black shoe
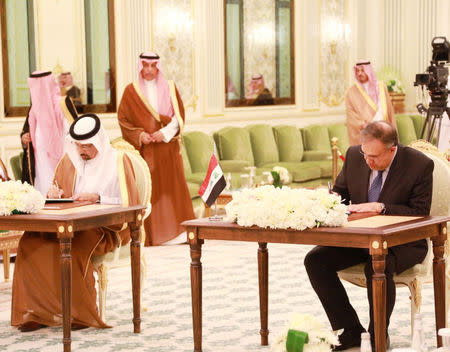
[349, 338]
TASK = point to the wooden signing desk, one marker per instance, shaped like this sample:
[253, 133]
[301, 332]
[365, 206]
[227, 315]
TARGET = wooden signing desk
[377, 233]
[65, 222]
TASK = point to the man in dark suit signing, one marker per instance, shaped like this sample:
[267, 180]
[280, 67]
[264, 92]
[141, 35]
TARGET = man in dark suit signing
[378, 176]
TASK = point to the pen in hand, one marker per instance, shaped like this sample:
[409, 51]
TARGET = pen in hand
[329, 187]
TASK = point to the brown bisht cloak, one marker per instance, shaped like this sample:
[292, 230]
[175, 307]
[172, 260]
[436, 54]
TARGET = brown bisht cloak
[361, 109]
[36, 291]
[28, 161]
[171, 202]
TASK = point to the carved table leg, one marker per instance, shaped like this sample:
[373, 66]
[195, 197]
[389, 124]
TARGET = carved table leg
[65, 245]
[379, 301]
[196, 292]
[263, 278]
[439, 280]
[135, 252]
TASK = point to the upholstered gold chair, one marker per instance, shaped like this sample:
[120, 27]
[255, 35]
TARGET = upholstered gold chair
[422, 273]
[120, 257]
[9, 240]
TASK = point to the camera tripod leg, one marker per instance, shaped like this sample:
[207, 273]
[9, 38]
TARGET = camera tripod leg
[425, 125]
[431, 129]
[432, 123]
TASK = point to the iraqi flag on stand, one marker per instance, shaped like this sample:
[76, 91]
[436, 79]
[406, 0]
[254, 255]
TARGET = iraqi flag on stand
[213, 184]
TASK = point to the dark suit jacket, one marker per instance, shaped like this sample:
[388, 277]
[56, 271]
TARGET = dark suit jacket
[75, 93]
[28, 161]
[406, 191]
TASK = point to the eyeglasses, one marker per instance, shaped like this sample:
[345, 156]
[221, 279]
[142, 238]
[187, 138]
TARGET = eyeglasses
[373, 157]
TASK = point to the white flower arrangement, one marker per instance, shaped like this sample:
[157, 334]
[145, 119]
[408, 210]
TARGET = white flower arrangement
[17, 197]
[279, 176]
[391, 78]
[394, 85]
[282, 208]
[319, 338]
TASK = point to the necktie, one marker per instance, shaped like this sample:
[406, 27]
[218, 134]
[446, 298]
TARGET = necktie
[375, 188]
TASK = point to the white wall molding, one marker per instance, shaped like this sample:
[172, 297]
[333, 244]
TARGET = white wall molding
[213, 62]
[133, 36]
[393, 32]
[307, 55]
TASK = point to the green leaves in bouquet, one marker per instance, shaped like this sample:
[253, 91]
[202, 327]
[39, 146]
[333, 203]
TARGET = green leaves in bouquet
[17, 212]
[276, 179]
[391, 85]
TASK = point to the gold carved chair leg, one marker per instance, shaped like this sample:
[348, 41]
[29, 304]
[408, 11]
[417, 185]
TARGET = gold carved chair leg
[334, 159]
[447, 278]
[415, 290]
[6, 253]
[102, 273]
[8, 240]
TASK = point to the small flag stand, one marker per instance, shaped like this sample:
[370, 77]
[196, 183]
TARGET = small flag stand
[215, 217]
[211, 187]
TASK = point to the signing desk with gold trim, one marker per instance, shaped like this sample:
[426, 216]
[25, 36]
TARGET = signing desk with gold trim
[377, 233]
[64, 221]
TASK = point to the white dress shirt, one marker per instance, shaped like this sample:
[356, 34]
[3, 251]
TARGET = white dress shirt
[379, 113]
[84, 184]
[172, 127]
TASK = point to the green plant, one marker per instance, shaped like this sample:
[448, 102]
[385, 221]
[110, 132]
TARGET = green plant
[276, 179]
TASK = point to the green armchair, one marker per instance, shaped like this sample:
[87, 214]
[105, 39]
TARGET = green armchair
[233, 143]
[196, 151]
[235, 152]
[263, 145]
[409, 128]
[16, 166]
[339, 130]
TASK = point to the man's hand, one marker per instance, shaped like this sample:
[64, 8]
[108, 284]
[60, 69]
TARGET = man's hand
[146, 138]
[157, 137]
[87, 197]
[54, 192]
[26, 138]
[372, 207]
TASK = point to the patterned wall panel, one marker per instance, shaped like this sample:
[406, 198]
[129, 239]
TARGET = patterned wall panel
[172, 39]
[333, 51]
[259, 41]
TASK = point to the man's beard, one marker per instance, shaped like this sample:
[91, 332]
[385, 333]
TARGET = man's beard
[85, 157]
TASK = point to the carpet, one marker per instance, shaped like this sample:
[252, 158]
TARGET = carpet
[230, 304]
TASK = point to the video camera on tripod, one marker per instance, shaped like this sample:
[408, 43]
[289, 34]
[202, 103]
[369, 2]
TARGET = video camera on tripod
[435, 80]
